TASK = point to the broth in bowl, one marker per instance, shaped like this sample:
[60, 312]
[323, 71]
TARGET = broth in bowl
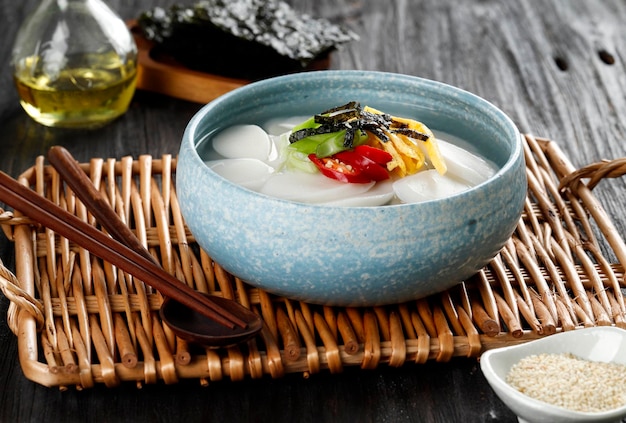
[376, 166]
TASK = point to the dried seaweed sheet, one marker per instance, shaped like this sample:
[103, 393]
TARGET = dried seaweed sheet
[249, 39]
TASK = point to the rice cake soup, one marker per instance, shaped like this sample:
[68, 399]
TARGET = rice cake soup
[346, 156]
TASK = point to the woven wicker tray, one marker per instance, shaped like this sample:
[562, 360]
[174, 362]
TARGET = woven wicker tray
[81, 322]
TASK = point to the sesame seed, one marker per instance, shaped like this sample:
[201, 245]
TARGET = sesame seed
[571, 382]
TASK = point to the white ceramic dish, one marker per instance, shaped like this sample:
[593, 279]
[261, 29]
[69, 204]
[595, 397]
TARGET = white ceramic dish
[604, 344]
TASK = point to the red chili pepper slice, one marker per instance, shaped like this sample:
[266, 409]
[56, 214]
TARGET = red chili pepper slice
[376, 154]
[358, 166]
[367, 167]
[333, 168]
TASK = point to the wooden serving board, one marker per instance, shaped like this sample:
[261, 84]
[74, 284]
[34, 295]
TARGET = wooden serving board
[164, 75]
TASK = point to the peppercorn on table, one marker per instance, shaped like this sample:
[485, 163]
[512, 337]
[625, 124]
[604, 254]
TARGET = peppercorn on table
[555, 68]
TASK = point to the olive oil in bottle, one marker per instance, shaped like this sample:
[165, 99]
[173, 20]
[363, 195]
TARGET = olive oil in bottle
[78, 96]
[74, 64]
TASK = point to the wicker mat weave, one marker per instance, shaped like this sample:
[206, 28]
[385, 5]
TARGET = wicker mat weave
[81, 322]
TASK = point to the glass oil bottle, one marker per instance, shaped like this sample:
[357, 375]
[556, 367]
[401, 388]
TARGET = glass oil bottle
[74, 64]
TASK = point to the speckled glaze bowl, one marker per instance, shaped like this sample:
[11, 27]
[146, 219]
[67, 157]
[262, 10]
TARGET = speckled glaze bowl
[359, 256]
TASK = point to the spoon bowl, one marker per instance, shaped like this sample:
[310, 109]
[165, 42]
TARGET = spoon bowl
[194, 327]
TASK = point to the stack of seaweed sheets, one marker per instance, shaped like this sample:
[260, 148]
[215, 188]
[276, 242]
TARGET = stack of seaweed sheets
[247, 39]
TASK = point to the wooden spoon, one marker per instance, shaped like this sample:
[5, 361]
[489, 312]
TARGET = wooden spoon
[187, 323]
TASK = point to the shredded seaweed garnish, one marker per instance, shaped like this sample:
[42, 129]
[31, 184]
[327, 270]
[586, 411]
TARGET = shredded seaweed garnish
[411, 133]
[307, 132]
[351, 117]
[353, 105]
[411, 144]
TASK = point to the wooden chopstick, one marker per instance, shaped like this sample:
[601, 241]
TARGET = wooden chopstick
[69, 169]
[89, 237]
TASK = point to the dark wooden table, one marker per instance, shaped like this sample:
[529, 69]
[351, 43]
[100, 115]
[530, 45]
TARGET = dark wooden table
[555, 67]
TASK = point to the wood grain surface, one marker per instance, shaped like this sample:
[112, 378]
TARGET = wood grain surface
[555, 67]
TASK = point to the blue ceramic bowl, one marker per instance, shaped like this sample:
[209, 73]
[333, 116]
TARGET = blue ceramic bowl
[359, 256]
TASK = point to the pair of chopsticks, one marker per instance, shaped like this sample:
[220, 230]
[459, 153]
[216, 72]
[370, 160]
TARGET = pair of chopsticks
[125, 251]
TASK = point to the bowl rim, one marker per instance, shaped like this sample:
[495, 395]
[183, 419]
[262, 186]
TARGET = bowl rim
[192, 128]
[488, 358]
